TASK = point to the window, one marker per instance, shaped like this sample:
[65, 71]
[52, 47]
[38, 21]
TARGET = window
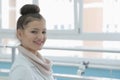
[60, 17]
[111, 16]
[101, 19]
[70, 23]
[59, 14]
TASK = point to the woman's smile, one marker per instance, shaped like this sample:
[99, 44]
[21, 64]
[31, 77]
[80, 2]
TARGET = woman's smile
[39, 43]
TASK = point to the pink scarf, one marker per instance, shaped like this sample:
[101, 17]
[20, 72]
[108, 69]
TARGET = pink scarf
[43, 64]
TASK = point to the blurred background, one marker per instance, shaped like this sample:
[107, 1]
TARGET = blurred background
[83, 37]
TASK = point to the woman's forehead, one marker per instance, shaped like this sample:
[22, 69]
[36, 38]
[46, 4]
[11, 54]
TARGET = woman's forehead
[36, 24]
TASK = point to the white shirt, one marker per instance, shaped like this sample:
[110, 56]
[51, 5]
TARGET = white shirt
[22, 69]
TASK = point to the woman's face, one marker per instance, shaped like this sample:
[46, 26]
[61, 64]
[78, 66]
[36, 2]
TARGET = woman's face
[33, 36]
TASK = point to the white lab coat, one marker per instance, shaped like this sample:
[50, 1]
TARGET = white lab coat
[22, 69]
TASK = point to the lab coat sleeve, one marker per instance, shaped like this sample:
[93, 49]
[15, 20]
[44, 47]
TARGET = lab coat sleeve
[20, 73]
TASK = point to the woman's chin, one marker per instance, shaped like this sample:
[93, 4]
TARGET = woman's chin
[39, 48]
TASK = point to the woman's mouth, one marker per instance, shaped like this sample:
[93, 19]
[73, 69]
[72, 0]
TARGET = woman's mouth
[38, 42]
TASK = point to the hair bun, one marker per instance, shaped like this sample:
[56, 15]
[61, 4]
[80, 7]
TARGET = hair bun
[29, 9]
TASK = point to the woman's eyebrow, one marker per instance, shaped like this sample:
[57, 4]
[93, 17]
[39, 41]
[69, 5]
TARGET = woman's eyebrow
[38, 29]
[35, 28]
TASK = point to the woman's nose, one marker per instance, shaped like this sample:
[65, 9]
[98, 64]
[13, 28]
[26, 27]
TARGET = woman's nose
[40, 35]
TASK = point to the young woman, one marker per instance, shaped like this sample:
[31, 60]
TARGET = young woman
[31, 32]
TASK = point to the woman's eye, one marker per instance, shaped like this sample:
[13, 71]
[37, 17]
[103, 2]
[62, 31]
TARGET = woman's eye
[44, 32]
[34, 32]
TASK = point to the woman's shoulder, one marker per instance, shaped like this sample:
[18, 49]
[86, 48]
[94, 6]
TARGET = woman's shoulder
[19, 64]
[21, 60]
[20, 72]
[20, 68]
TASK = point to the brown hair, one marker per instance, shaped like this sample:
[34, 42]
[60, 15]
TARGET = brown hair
[29, 12]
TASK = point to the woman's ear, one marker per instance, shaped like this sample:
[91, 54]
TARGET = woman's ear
[19, 34]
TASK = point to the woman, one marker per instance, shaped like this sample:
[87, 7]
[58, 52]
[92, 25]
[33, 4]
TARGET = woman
[31, 32]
